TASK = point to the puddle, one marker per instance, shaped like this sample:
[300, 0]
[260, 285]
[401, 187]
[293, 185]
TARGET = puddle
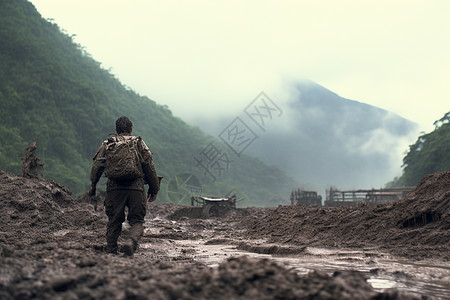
[382, 284]
[61, 232]
[384, 272]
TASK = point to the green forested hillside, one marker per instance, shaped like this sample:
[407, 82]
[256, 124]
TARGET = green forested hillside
[430, 154]
[54, 93]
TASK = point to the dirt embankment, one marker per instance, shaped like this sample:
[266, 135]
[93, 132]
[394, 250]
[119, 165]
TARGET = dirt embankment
[418, 226]
[52, 247]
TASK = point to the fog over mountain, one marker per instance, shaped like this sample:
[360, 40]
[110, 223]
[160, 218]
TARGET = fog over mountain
[325, 140]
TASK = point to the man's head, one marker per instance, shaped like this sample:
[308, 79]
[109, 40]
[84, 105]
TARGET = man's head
[123, 125]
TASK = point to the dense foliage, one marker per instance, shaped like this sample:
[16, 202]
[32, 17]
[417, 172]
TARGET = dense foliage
[429, 154]
[54, 93]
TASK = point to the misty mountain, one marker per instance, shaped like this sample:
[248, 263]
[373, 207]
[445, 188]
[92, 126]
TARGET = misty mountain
[54, 93]
[335, 141]
[323, 140]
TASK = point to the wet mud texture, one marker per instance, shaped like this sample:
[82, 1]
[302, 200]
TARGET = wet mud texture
[415, 227]
[52, 246]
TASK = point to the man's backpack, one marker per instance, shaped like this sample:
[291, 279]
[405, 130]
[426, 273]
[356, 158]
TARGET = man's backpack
[123, 160]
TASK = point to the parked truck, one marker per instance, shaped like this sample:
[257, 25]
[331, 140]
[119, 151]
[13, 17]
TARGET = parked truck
[305, 198]
[214, 206]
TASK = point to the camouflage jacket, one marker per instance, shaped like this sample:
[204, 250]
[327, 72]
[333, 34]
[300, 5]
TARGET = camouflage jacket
[148, 167]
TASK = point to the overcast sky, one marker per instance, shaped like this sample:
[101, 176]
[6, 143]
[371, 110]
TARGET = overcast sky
[214, 57]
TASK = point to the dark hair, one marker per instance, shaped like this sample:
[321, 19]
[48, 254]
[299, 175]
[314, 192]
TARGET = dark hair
[123, 125]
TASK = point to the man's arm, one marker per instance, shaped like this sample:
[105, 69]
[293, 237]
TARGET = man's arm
[97, 168]
[148, 167]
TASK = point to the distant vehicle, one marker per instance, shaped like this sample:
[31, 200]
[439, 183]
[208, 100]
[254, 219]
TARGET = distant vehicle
[305, 198]
[215, 206]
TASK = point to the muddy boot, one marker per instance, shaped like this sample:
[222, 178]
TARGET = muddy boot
[111, 248]
[129, 247]
[136, 231]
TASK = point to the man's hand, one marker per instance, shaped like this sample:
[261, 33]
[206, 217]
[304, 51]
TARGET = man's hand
[151, 197]
[92, 190]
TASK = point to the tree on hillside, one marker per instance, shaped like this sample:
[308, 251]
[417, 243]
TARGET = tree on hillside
[429, 154]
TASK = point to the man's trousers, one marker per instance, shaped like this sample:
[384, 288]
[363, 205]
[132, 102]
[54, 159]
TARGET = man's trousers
[115, 203]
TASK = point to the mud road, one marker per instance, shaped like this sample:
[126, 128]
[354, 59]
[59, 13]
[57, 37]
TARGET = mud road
[52, 247]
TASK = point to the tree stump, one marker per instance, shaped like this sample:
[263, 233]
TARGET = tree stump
[31, 167]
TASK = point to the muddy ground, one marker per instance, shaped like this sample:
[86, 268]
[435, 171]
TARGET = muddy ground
[52, 247]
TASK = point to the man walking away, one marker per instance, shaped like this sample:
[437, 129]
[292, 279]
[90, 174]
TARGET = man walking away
[128, 164]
